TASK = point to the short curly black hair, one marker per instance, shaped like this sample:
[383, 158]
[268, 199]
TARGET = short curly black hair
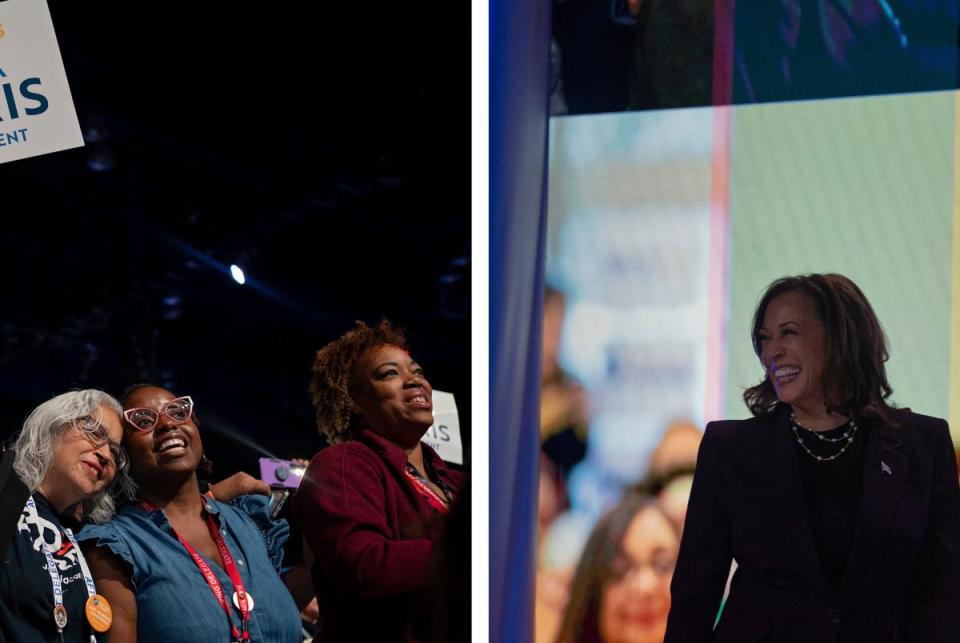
[333, 371]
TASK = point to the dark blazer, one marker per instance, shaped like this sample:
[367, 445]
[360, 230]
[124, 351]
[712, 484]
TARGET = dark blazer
[747, 504]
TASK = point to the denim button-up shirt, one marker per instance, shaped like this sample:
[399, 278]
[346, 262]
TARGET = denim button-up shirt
[174, 602]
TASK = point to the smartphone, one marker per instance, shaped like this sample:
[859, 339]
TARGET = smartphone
[280, 473]
[278, 498]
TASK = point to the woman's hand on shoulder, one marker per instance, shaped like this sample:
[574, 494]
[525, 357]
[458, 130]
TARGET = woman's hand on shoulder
[239, 484]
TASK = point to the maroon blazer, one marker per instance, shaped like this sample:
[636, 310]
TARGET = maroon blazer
[372, 536]
[902, 582]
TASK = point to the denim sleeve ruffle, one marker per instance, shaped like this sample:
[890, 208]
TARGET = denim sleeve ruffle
[108, 536]
[275, 532]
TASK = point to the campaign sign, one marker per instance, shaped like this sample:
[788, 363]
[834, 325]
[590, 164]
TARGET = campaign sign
[36, 110]
[444, 436]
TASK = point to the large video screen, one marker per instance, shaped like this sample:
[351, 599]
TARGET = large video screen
[664, 229]
[662, 239]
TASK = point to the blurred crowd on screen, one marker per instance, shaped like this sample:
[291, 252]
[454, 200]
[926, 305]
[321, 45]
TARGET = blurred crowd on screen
[607, 544]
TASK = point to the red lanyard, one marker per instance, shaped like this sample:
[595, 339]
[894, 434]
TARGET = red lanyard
[420, 485]
[211, 578]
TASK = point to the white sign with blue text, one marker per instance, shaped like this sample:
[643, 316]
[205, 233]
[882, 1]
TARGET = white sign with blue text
[444, 436]
[37, 115]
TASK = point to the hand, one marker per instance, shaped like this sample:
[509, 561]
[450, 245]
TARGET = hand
[239, 484]
[311, 613]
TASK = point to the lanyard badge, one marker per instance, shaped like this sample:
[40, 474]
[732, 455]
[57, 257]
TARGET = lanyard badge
[97, 609]
[241, 598]
[441, 505]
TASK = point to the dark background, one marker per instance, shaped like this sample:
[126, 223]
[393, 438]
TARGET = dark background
[325, 149]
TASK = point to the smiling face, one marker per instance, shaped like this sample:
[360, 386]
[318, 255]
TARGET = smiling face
[169, 448]
[82, 464]
[792, 350]
[392, 396]
[635, 604]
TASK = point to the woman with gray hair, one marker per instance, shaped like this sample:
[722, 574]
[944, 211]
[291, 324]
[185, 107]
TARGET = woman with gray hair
[59, 468]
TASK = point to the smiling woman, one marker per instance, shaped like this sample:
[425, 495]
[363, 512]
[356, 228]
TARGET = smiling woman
[64, 458]
[842, 510]
[171, 542]
[372, 505]
[621, 590]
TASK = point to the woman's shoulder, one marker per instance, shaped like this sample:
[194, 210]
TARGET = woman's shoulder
[128, 517]
[347, 447]
[348, 454]
[912, 418]
[339, 466]
[733, 430]
[254, 511]
[114, 537]
[13, 495]
[905, 424]
[251, 508]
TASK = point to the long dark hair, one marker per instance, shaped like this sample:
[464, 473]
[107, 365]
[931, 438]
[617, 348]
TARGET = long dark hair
[854, 375]
[581, 619]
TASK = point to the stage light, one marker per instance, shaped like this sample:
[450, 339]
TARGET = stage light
[237, 274]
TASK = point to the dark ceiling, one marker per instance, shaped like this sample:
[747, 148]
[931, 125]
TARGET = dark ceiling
[324, 148]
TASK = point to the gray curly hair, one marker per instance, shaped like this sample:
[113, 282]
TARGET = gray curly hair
[42, 431]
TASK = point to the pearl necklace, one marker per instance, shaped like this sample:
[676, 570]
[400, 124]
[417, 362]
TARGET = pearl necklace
[847, 436]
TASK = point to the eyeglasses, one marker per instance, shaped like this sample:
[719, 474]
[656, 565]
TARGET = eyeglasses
[624, 566]
[179, 410]
[98, 436]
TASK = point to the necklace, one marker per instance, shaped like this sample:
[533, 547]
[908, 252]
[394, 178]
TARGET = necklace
[847, 437]
[820, 434]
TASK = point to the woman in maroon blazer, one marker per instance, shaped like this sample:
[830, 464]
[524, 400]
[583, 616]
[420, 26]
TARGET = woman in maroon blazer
[841, 512]
[372, 506]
